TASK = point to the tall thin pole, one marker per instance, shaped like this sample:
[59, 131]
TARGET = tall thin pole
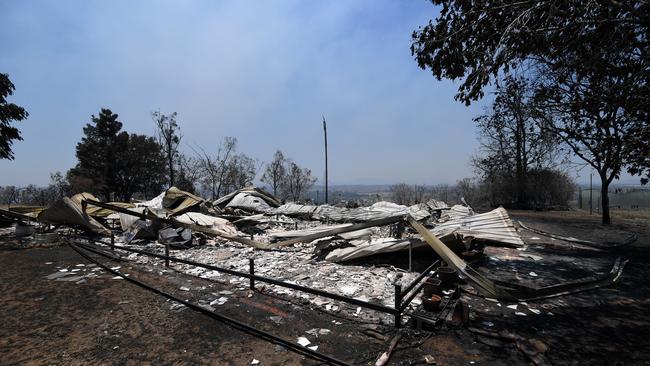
[325, 132]
[591, 202]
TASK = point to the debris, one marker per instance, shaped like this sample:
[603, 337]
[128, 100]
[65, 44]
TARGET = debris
[629, 240]
[373, 333]
[531, 256]
[384, 357]
[429, 360]
[255, 362]
[220, 301]
[303, 341]
[532, 348]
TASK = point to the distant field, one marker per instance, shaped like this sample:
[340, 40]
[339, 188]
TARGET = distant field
[624, 198]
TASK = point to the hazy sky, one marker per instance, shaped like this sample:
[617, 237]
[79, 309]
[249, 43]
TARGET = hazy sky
[262, 71]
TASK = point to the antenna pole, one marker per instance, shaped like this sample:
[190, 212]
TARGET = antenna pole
[325, 132]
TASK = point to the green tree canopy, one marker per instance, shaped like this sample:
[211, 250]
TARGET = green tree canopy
[9, 112]
[100, 150]
[586, 61]
[118, 164]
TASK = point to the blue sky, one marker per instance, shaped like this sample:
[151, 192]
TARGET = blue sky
[261, 71]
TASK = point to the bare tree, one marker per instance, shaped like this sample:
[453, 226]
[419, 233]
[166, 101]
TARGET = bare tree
[240, 172]
[213, 167]
[189, 173]
[440, 192]
[299, 181]
[402, 193]
[512, 143]
[405, 194]
[276, 172]
[9, 194]
[227, 171]
[169, 137]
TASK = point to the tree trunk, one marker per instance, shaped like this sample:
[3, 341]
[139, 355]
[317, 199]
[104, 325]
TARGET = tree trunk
[604, 199]
[520, 164]
[171, 170]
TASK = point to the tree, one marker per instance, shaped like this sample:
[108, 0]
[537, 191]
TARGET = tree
[9, 195]
[586, 59]
[227, 171]
[58, 188]
[115, 164]
[189, 172]
[213, 168]
[9, 112]
[169, 138]
[240, 172]
[142, 168]
[585, 110]
[276, 172]
[405, 194]
[512, 142]
[99, 152]
[299, 181]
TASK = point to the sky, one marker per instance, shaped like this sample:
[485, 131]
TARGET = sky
[264, 72]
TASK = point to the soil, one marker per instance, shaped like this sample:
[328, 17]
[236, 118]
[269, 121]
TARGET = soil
[95, 319]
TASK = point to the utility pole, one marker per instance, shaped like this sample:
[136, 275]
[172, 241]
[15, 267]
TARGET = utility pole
[591, 202]
[325, 132]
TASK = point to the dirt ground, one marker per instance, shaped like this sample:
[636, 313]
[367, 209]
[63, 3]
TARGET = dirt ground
[95, 319]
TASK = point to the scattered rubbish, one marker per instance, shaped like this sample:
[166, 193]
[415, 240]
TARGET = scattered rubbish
[255, 362]
[531, 256]
[429, 360]
[303, 341]
[384, 357]
[303, 245]
[220, 301]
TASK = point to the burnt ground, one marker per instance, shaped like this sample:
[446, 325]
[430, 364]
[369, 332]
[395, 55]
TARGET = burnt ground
[96, 319]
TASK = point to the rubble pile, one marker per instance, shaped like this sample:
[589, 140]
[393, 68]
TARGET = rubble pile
[319, 247]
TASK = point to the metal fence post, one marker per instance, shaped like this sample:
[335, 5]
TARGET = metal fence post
[112, 242]
[251, 270]
[398, 305]
[167, 254]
